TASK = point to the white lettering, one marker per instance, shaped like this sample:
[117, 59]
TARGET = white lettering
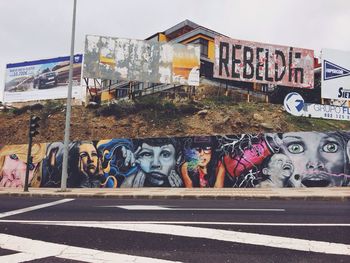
[334, 71]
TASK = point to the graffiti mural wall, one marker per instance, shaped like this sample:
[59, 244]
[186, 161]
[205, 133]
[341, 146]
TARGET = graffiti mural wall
[293, 159]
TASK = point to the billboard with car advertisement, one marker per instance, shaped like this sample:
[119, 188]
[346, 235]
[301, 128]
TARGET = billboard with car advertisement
[263, 63]
[138, 60]
[42, 79]
[335, 81]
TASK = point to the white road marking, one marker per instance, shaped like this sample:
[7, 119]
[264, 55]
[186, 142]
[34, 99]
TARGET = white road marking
[18, 257]
[215, 234]
[35, 249]
[32, 208]
[156, 207]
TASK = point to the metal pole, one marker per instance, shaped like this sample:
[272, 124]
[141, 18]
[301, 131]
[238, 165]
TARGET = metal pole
[68, 110]
[29, 160]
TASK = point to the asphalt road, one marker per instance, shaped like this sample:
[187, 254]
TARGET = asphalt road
[151, 230]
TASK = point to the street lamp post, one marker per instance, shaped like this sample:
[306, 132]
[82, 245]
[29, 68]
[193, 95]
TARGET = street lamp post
[68, 109]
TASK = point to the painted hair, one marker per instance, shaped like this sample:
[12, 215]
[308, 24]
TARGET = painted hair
[114, 170]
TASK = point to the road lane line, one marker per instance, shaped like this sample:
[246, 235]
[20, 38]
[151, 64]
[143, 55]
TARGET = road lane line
[42, 222]
[223, 235]
[156, 207]
[19, 257]
[35, 249]
[32, 208]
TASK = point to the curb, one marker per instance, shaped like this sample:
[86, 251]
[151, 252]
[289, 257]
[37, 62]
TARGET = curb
[185, 195]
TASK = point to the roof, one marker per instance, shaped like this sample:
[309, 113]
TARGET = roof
[185, 30]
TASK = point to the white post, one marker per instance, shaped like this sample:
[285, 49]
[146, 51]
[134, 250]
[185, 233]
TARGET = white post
[68, 110]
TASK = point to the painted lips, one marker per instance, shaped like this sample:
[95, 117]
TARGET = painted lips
[322, 179]
[158, 176]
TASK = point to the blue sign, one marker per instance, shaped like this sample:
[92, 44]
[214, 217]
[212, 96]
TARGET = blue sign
[332, 71]
[78, 58]
[294, 103]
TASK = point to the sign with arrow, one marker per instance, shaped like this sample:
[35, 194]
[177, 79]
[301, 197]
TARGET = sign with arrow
[295, 105]
[335, 83]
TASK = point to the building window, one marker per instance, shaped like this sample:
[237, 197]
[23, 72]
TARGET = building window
[203, 44]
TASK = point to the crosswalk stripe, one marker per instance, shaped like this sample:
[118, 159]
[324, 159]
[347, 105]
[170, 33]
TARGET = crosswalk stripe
[32, 208]
[35, 249]
[218, 234]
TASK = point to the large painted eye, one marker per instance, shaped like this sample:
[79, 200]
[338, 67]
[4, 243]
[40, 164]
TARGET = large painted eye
[83, 155]
[330, 147]
[165, 154]
[145, 154]
[295, 148]
[14, 157]
[31, 166]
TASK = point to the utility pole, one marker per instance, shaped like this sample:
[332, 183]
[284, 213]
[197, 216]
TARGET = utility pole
[68, 110]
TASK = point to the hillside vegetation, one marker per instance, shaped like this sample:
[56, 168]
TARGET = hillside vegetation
[208, 113]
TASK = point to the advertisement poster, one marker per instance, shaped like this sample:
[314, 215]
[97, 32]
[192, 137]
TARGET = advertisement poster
[139, 60]
[295, 105]
[335, 83]
[42, 79]
[242, 60]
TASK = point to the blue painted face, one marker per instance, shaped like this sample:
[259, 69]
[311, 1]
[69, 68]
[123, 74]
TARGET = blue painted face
[157, 161]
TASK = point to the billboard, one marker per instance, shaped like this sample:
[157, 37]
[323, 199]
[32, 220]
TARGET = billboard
[42, 79]
[295, 105]
[335, 83]
[263, 63]
[137, 60]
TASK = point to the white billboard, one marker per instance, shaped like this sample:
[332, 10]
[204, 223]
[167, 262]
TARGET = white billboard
[42, 79]
[295, 105]
[139, 60]
[335, 83]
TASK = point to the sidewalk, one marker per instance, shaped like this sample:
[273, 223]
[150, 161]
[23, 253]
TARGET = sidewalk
[329, 193]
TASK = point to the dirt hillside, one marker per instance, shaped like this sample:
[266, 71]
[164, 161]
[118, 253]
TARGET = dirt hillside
[208, 113]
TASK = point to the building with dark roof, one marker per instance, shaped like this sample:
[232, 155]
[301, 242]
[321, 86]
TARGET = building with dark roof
[187, 32]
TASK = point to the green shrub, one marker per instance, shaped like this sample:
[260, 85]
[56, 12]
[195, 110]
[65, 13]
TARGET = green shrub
[119, 109]
[169, 108]
[188, 108]
[148, 102]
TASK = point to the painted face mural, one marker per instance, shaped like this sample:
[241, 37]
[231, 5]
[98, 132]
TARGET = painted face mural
[14, 173]
[319, 159]
[204, 155]
[198, 169]
[278, 171]
[13, 165]
[88, 159]
[84, 168]
[293, 159]
[156, 162]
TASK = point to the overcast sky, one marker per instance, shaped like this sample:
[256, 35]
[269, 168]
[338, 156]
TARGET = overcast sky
[39, 29]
